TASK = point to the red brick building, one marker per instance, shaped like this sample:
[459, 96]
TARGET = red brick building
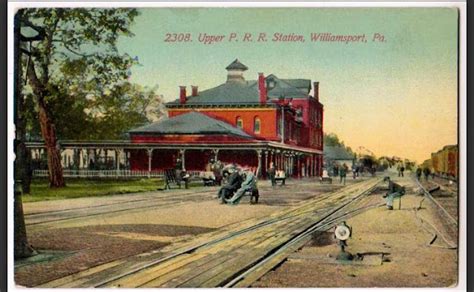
[247, 122]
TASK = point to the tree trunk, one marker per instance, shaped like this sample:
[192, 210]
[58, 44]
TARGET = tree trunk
[21, 246]
[27, 172]
[48, 131]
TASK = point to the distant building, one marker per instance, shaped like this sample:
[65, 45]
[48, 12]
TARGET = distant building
[339, 155]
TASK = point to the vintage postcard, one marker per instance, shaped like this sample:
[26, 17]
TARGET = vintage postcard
[215, 145]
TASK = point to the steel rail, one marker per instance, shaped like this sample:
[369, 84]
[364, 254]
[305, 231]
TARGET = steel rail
[295, 239]
[147, 193]
[438, 205]
[158, 204]
[285, 216]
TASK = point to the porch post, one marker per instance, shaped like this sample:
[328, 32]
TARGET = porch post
[266, 161]
[277, 155]
[279, 160]
[308, 166]
[216, 153]
[259, 167]
[117, 159]
[290, 167]
[127, 158]
[298, 166]
[316, 165]
[182, 152]
[321, 163]
[150, 156]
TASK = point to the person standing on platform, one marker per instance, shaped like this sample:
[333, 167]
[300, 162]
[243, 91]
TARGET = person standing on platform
[342, 174]
[426, 172]
[335, 170]
[271, 173]
[418, 173]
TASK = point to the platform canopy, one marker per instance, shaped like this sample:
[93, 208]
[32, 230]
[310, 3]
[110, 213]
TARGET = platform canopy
[192, 123]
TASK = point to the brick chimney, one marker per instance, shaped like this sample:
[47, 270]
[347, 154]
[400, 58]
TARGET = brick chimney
[182, 94]
[316, 90]
[262, 88]
[194, 90]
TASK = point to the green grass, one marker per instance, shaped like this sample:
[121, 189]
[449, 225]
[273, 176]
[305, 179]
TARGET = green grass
[78, 188]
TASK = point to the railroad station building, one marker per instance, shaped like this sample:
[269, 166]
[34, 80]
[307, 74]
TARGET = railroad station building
[246, 122]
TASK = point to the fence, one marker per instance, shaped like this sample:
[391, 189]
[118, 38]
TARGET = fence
[85, 173]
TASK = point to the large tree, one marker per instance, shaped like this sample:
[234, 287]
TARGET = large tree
[21, 246]
[78, 43]
[106, 116]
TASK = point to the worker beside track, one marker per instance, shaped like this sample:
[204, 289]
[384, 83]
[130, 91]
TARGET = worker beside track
[394, 191]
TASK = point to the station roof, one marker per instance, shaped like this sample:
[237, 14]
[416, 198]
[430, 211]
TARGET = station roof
[246, 92]
[289, 88]
[191, 123]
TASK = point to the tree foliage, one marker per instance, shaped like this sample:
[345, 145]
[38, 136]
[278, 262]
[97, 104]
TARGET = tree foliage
[71, 55]
[85, 116]
[333, 140]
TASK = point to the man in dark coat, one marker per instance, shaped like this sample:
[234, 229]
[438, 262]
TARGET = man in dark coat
[394, 191]
[233, 184]
[342, 173]
[418, 173]
[426, 172]
[271, 174]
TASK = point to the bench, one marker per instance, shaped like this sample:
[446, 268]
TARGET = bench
[327, 180]
[282, 180]
[172, 178]
[280, 176]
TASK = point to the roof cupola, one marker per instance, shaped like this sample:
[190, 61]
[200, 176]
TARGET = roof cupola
[235, 71]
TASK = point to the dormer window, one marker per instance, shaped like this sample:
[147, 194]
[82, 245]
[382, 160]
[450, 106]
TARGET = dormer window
[271, 83]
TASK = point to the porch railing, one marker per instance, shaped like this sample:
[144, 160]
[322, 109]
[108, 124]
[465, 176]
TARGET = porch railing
[85, 173]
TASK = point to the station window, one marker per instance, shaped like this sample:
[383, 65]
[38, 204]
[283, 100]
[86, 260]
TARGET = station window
[239, 123]
[256, 125]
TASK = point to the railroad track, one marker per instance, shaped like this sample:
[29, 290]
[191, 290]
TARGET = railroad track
[446, 204]
[234, 256]
[51, 217]
[48, 218]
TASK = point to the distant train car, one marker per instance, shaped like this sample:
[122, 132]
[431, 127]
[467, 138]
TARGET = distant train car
[445, 161]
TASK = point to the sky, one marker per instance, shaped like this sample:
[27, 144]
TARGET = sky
[395, 97]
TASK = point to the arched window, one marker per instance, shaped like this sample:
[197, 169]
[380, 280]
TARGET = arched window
[239, 122]
[256, 125]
